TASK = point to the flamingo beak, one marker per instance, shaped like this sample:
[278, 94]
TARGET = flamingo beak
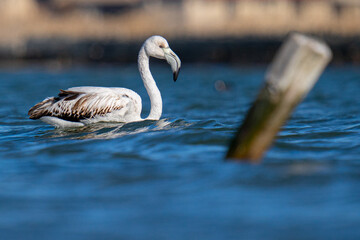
[173, 60]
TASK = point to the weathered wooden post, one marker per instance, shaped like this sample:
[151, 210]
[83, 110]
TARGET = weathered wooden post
[295, 70]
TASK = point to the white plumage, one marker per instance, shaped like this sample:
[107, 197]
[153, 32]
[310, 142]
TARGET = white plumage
[79, 106]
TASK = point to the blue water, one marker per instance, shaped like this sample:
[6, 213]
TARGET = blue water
[167, 179]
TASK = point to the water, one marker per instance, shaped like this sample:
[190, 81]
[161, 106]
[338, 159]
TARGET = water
[167, 179]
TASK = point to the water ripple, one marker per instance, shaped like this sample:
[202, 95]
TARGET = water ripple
[85, 182]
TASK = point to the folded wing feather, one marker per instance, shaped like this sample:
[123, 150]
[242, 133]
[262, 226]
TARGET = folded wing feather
[76, 106]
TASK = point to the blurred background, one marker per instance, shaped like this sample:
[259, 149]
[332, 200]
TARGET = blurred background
[247, 31]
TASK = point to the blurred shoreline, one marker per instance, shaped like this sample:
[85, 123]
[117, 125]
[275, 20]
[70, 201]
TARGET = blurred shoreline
[247, 50]
[240, 31]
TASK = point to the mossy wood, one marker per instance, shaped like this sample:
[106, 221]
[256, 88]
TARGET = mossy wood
[293, 73]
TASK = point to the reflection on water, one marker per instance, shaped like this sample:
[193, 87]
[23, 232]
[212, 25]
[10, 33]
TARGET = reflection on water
[106, 130]
[167, 179]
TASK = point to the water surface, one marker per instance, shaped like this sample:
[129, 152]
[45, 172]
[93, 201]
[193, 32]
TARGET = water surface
[167, 179]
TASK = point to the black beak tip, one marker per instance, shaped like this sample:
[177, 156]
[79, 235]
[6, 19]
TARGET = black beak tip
[176, 74]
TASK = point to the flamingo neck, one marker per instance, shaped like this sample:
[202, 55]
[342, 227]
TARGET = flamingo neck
[150, 85]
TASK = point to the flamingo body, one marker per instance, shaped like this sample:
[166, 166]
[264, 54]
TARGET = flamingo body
[79, 106]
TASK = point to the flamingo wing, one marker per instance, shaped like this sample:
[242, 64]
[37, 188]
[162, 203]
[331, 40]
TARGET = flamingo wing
[76, 105]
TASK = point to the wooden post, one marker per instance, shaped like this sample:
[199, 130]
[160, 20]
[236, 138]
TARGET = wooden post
[296, 68]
